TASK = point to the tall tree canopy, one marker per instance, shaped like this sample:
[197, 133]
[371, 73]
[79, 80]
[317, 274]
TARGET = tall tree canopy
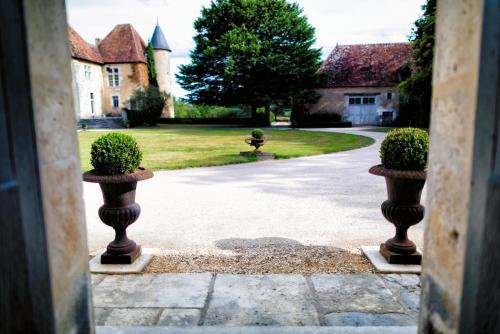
[417, 89]
[251, 52]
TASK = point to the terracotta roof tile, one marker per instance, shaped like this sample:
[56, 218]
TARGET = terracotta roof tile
[123, 45]
[366, 65]
[80, 49]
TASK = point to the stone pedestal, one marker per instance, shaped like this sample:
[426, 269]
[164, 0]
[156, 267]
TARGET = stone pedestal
[260, 156]
[97, 266]
[395, 258]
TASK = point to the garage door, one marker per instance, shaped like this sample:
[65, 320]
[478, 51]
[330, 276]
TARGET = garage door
[362, 110]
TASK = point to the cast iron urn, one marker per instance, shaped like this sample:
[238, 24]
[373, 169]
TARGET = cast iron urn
[403, 209]
[119, 211]
[256, 142]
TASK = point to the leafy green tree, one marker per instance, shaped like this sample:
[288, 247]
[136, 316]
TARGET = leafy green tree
[147, 105]
[416, 91]
[251, 52]
[151, 65]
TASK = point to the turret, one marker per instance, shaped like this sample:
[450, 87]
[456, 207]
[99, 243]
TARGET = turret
[161, 52]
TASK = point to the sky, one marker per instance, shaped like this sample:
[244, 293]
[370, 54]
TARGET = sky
[336, 21]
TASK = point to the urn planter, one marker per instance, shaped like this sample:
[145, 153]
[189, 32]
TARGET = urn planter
[256, 142]
[119, 211]
[403, 209]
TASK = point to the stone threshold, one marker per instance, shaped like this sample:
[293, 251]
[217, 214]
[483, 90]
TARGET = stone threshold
[255, 330]
[218, 301]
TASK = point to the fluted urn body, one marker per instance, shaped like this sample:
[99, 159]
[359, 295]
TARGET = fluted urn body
[119, 211]
[256, 142]
[403, 209]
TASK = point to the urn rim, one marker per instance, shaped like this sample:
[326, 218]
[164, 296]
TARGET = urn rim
[380, 170]
[139, 175]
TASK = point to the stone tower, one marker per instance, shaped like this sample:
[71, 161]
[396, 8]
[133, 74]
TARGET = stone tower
[161, 52]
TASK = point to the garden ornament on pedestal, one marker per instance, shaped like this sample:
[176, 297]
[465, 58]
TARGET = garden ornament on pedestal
[404, 161]
[116, 159]
[257, 139]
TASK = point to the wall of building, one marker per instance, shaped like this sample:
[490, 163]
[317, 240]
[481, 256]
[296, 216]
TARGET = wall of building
[59, 163]
[83, 86]
[162, 66]
[333, 100]
[132, 76]
[456, 67]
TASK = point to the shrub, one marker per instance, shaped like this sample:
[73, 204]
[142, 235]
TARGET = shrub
[257, 134]
[85, 125]
[147, 104]
[115, 153]
[187, 110]
[405, 149]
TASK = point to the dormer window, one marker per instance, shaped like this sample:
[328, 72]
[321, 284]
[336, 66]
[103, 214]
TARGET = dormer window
[113, 76]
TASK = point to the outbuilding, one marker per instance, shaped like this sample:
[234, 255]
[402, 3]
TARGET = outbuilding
[361, 82]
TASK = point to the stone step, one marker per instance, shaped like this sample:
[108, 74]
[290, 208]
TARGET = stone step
[254, 330]
[103, 123]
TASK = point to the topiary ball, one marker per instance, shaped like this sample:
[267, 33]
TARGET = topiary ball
[405, 149]
[115, 153]
[257, 134]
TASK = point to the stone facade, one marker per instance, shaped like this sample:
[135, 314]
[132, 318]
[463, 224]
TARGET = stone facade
[454, 104]
[132, 76]
[336, 100]
[87, 87]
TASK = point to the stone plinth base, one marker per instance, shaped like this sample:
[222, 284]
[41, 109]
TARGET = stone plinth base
[382, 266]
[137, 266]
[395, 258]
[261, 156]
[128, 258]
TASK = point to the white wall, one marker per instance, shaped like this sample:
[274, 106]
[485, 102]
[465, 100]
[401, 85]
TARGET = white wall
[83, 86]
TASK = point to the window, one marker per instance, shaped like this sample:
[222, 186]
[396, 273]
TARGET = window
[88, 72]
[354, 100]
[113, 76]
[389, 95]
[361, 100]
[92, 107]
[115, 101]
[368, 100]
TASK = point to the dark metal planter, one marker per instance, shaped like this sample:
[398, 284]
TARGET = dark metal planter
[256, 142]
[119, 211]
[403, 209]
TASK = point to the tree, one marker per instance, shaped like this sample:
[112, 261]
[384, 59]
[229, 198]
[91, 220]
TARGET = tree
[251, 52]
[147, 105]
[151, 65]
[416, 91]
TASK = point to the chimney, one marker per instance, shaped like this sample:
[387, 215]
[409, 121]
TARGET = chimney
[97, 41]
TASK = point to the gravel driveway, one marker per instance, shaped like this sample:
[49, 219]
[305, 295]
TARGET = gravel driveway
[328, 200]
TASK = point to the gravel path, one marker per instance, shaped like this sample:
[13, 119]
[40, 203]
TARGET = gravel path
[322, 201]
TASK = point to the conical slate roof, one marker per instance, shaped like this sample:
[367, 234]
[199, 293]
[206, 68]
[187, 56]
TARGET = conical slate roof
[158, 40]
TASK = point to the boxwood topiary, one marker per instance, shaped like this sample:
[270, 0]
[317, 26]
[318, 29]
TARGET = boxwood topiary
[405, 149]
[257, 134]
[115, 153]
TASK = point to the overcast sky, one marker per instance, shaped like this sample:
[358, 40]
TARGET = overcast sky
[336, 21]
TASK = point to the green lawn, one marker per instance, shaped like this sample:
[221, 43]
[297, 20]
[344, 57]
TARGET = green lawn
[165, 148]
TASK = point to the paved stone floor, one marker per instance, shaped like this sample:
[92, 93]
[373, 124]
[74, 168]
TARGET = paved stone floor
[192, 300]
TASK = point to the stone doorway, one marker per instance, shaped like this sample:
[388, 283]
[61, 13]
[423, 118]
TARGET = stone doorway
[43, 225]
